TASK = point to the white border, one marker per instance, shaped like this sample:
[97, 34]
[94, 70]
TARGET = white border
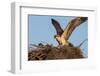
[19, 38]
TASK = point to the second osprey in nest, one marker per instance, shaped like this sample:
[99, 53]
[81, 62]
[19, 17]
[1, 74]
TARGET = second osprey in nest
[63, 36]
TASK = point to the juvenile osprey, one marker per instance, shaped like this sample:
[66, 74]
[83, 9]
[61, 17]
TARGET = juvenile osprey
[63, 36]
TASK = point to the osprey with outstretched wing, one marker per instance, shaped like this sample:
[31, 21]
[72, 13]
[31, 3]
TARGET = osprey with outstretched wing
[63, 36]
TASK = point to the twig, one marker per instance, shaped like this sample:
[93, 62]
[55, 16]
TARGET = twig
[44, 42]
[82, 43]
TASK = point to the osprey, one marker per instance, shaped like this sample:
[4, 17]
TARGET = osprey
[63, 35]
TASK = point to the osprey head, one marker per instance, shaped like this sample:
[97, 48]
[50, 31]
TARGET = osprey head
[56, 36]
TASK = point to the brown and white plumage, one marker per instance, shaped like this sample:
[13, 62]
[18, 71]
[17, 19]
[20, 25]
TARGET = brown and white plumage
[63, 36]
[57, 27]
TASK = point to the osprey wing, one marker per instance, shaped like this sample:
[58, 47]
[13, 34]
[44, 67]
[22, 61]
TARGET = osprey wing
[72, 25]
[57, 26]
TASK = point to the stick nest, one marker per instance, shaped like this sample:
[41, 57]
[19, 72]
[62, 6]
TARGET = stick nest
[50, 52]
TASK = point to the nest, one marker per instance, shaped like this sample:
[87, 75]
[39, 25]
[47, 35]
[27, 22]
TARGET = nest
[50, 52]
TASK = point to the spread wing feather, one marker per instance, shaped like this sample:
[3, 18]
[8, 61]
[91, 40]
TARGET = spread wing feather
[57, 26]
[72, 25]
